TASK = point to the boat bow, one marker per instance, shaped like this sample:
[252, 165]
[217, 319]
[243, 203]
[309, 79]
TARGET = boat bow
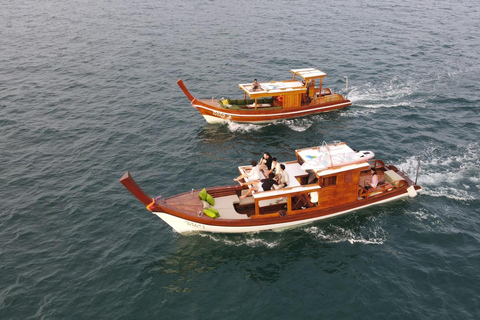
[185, 90]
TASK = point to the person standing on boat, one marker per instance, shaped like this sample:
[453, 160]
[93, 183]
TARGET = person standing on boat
[253, 174]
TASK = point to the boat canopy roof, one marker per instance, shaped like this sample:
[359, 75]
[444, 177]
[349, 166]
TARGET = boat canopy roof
[285, 87]
[308, 73]
[274, 88]
[336, 157]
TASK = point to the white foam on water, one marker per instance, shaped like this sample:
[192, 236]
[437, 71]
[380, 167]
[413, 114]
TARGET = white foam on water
[300, 124]
[391, 91]
[391, 94]
[453, 174]
[245, 127]
[297, 124]
[423, 215]
[357, 113]
[250, 240]
[343, 235]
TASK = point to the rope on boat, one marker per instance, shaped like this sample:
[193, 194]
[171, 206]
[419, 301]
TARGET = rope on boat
[150, 206]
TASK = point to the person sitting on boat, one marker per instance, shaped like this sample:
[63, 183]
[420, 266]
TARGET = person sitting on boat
[267, 184]
[253, 174]
[275, 166]
[283, 178]
[279, 100]
[373, 181]
[309, 93]
[265, 163]
[255, 85]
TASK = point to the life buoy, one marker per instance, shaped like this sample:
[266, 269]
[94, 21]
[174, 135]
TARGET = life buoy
[280, 98]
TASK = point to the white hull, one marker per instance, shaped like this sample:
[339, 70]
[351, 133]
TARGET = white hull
[185, 226]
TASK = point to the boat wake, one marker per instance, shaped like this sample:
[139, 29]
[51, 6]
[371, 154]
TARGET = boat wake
[423, 215]
[413, 92]
[337, 234]
[238, 240]
[453, 174]
[301, 124]
[298, 125]
[390, 94]
[245, 127]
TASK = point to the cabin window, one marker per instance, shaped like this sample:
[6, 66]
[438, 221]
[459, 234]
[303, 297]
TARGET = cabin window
[329, 181]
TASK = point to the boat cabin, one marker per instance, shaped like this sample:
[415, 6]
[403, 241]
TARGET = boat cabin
[323, 177]
[305, 88]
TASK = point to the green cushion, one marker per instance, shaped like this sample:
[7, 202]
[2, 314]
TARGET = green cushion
[203, 194]
[210, 200]
[210, 213]
[215, 211]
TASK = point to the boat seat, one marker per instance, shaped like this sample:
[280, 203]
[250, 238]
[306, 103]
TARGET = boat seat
[225, 207]
[380, 188]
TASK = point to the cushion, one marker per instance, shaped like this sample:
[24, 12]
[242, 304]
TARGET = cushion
[205, 204]
[215, 211]
[203, 194]
[210, 200]
[210, 213]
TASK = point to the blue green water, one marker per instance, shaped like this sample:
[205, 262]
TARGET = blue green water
[88, 91]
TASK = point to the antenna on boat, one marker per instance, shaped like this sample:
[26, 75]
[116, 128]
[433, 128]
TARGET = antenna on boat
[346, 86]
[418, 168]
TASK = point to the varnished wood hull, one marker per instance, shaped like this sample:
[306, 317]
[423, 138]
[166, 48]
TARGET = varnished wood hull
[329, 192]
[185, 224]
[215, 114]
[183, 212]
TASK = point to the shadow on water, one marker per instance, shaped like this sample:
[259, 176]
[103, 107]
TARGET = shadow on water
[264, 257]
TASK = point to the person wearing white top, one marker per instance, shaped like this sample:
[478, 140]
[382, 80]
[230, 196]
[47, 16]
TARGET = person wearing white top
[284, 179]
[253, 174]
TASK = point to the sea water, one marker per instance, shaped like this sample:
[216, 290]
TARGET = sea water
[88, 91]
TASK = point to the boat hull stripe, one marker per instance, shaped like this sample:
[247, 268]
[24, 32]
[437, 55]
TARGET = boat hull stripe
[268, 115]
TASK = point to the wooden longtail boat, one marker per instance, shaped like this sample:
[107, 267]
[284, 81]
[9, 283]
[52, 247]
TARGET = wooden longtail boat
[301, 96]
[325, 182]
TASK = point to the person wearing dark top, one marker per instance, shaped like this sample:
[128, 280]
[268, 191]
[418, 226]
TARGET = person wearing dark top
[266, 185]
[255, 85]
[269, 182]
[265, 162]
